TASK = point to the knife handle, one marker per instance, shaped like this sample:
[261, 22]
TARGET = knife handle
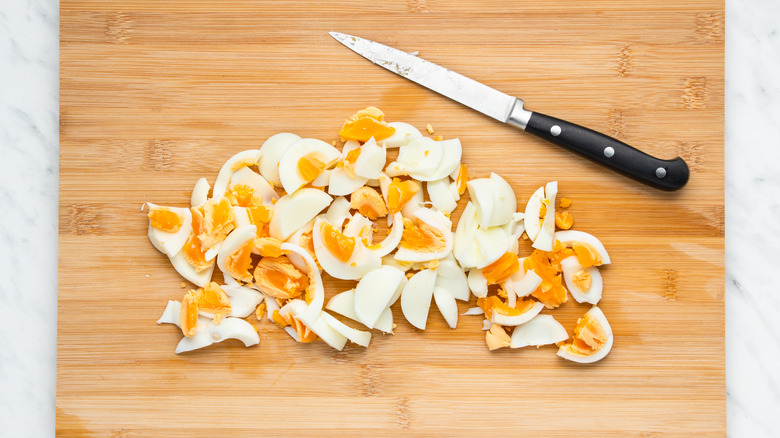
[612, 153]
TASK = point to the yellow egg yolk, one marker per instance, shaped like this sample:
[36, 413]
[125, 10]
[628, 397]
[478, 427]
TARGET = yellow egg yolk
[310, 167]
[463, 178]
[565, 202]
[493, 303]
[348, 163]
[368, 202]
[497, 337]
[243, 195]
[213, 299]
[278, 277]
[422, 237]
[547, 265]
[563, 220]
[193, 249]
[500, 270]
[218, 220]
[268, 246]
[239, 263]
[365, 124]
[188, 319]
[582, 280]
[399, 193]
[165, 219]
[260, 217]
[587, 255]
[338, 244]
[589, 337]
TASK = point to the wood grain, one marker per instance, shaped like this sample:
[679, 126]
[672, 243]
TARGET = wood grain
[155, 95]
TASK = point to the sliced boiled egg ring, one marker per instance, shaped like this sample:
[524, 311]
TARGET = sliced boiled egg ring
[590, 251]
[248, 188]
[235, 255]
[359, 337]
[303, 238]
[272, 150]
[404, 133]
[341, 256]
[199, 277]
[585, 284]
[338, 212]
[169, 228]
[242, 159]
[377, 291]
[544, 239]
[592, 339]
[200, 192]
[315, 292]
[427, 238]
[293, 211]
[541, 330]
[303, 161]
[500, 313]
[494, 200]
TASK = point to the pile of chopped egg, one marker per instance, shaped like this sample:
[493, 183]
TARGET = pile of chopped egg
[279, 217]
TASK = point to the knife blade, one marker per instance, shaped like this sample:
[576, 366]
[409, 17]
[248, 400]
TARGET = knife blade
[661, 174]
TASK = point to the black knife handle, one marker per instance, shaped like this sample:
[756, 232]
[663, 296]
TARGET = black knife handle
[612, 153]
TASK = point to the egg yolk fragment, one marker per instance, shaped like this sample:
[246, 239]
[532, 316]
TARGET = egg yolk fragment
[500, 270]
[218, 220]
[268, 247]
[493, 303]
[587, 255]
[368, 202]
[189, 313]
[260, 217]
[278, 277]
[589, 337]
[463, 178]
[243, 195]
[547, 265]
[497, 338]
[165, 219]
[366, 123]
[239, 263]
[563, 220]
[338, 244]
[193, 249]
[582, 280]
[399, 193]
[310, 167]
[210, 298]
[422, 237]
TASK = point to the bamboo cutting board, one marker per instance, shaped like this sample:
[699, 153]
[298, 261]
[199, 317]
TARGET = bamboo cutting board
[156, 94]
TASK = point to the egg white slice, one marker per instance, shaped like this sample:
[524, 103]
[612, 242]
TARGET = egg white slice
[186, 270]
[568, 237]
[361, 262]
[314, 308]
[598, 315]
[421, 157]
[359, 227]
[375, 292]
[360, 337]
[243, 300]
[371, 160]
[404, 133]
[293, 211]
[389, 260]
[248, 177]
[477, 283]
[171, 243]
[391, 241]
[450, 276]
[544, 239]
[435, 219]
[475, 246]
[531, 219]
[570, 267]
[234, 163]
[447, 306]
[473, 311]
[272, 151]
[232, 243]
[323, 180]
[441, 196]
[342, 184]
[288, 164]
[505, 320]
[200, 192]
[450, 160]
[514, 230]
[416, 297]
[344, 304]
[541, 330]
[494, 199]
[318, 325]
[525, 284]
[338, 212]
[492, 243]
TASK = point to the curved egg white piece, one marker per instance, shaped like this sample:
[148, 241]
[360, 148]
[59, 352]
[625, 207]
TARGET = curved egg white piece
[200, 192]
[361, 262]
[598, 315]
[323, 180]
[318, 325]
[344, 304]
[568, 237]
[338, 212]
[371, 160]
[531, 219]
[245, 158]
[342, 184]
[440, 195]
[404, 133]
[541, 330]
[477, 283]
[505, 320]
[492, 243]
[450, 276]
[473, 311]
[447, 306]
[435, 219]
[248, 177]
[272, 151]
[243, 300]
[207, 332]
[416, 297]
[514, 230]
[450, 161]
[421, 157]
[570, 267]
[293, 211]
[171, 243]
[295, 239]
[392, 240]
[233, 243]
[314, 308]
[288, 164]
[475, 246]
[544, 239]
[360, 337]
[186, 270]
[525, 284]
[375, 292]
[494, 199]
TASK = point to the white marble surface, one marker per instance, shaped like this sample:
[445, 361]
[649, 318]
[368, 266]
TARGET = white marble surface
[28, 229]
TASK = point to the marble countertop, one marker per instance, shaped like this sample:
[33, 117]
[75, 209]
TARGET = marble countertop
[29, 191]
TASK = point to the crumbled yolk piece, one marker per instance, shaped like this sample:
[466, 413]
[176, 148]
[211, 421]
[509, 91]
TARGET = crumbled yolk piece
[565, 202]
[268, 246]
[260, 217]
[493, 303]
[563, 220]
[463, 178]
[338, 244]
[189, 313]
[587, 255]
[239, 263]
[243, 195]
[353, 155]
[365, 124]
[193, 249]
[218, 220]
[278, 277]
[368, 202]
[582, 280]
[422, 237]
[498, 271]
[213, 299]
[165, 219]
[589, 337]
[547, 265]
[310, 167]
[497, 338]
[399, 193]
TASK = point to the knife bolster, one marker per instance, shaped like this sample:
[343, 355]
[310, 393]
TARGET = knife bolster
[519, 116]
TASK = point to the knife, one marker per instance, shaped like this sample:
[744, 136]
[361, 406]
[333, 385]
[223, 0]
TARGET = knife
[612, 153]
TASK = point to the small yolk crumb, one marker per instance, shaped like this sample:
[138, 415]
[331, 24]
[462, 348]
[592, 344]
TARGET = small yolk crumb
[497, 337]
[498, 271]
[563, 220]
[399, 193]
[278, 277]
[239, 263]
[260, 216]
[368, 202]
[565, 202]
[310, 167]
[422, 237]
[338, 244]
[551, 292]
[165, 219]
[463, 178]
[587, 255]
[429, 128]
[589, 336]
[268, 246]
[582, 280]
[365, 124]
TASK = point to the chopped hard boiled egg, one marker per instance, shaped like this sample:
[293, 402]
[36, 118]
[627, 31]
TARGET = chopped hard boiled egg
[592, 339]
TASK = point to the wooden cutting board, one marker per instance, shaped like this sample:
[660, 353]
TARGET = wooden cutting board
[156, 94]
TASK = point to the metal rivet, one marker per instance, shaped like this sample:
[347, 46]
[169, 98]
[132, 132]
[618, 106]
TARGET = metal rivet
[660, 172]
[609, 152]
[555, 130]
